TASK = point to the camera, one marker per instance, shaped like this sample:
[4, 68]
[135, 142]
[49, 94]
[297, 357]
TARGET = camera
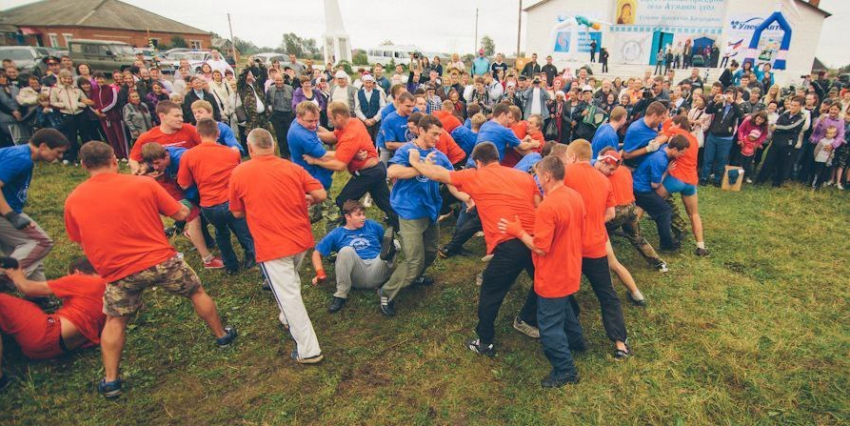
[416, 56]
[647, 93]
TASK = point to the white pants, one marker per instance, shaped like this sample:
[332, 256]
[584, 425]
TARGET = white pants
[286, 288]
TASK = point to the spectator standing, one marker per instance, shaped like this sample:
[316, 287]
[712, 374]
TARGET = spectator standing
[279, 100]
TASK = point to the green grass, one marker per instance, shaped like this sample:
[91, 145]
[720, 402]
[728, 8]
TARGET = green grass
[757, 333]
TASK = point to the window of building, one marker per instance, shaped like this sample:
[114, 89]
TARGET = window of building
[195, 44]
[54, 40]
[154, 42]
[68, 38]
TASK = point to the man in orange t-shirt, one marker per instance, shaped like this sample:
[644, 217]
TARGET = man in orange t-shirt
[208, 166]
[77, 324]
[557, 248]
[447, 117]
[130, 258]
[356, 152]
[499, 192]
[171, 132]
[595, 190]
[626, 217]
[272, 193]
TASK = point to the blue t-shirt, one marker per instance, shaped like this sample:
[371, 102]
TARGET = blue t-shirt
[499, 135]
[418, 197]
[465, 138]
[605, 136]
[389, 109]
[528, 162]
[227, 138]
[638, 136]
[176, 153]
[16, 173]
[651, 170]
[366, 241]
[467, 123]
[303, 141]
[393, 129]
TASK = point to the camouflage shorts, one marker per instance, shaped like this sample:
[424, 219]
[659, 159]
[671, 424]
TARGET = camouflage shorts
[124, 297]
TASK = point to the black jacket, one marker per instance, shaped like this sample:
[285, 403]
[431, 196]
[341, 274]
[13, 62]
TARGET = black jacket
[788, 128]
[531, 69]
[724, 125]
[191, 97]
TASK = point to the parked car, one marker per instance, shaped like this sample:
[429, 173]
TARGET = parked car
[102, 55]
[147, 53]
[27, 58]
[195, 58]
[268, 57]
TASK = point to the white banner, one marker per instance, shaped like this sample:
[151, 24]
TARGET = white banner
[739, 31]
[670, 13]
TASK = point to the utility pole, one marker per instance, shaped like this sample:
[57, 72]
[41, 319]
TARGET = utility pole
[232, 40]
[518, 27]
[474, 48]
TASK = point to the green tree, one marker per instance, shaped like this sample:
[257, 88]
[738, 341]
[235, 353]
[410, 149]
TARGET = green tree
[300, 47]
[360, 57]
[488, 45]
[178, 41]
[245, 46]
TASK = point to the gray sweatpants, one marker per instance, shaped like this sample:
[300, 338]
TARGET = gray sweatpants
[29, 246]
[352, 271]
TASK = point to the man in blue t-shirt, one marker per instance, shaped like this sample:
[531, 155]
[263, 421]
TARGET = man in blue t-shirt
[498, 132]
[467, 137]
[204, 109]
[358, 245]
[20, 236]
[417, 201]
[303, 139]
[647, 177]
[393, 133]
[642, 136]
[607, 133]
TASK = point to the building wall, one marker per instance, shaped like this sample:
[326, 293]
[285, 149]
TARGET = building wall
[539, 21]
[133, 38]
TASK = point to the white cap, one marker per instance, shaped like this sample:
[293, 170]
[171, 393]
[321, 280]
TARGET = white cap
[586, 88]
[367, 77]
[560, 92]
[340, 74]
[511, 84]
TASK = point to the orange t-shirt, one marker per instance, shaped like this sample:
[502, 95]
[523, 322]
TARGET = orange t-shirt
[538, 136]
[450, 122]
[271, 191]
[512, 157]
[115, 218]
[685, 168]
[499, 192]
[186, 137]
[558, 232]
[447, 145]
[351, 139]
[596, 191]
[208, 166]
[82, 303]
[623, 186]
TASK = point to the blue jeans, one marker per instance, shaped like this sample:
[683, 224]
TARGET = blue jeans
[716, 155]
[224, 222]
[559, 331]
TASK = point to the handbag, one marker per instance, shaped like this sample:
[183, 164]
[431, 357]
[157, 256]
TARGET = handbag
[241, 114]
[550, 131]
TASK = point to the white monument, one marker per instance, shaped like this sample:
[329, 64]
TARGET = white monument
[337, 46]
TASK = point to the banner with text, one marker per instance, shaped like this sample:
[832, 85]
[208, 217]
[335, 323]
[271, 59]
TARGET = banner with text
[670, 13]
[739, 31]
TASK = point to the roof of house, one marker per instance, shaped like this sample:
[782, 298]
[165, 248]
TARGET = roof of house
[803, 2]
[93, 13]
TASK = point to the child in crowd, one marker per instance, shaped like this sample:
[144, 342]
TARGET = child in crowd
[751, 136]
[824, 152]
[47, 117]
[841, 158]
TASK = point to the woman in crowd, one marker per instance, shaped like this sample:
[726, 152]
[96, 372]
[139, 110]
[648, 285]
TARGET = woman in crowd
[458, 107]
[699, 121]
[307, 93]
[84, 71]
[617, 86]
[820, 126]
[137, 117]
[224, 96]
[10, 114]
[70, 101]
[456, 63]
[206, 72]
[752, 133]
[111, 116]
[90, 129]
[436, 65]
[154, 97]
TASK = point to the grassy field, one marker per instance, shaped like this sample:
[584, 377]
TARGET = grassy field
[757, 333]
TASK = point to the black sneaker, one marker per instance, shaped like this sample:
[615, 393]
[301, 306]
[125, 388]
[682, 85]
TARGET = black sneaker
[267, 286]
[387, 306]
[110, 390]
[636, 302]
[674, 247]
[703, 182]
[550, 382]
[249, 262]
[623, 354]
[445, 253]
[701, 252]
[336, 304]
[388, 245]
[661, 266]
[228, 338]
[424, 281]
[231, 271]
[476, 346]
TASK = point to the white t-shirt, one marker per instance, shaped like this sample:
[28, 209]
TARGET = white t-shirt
[340, 94]
[220, 65]
[535, 101]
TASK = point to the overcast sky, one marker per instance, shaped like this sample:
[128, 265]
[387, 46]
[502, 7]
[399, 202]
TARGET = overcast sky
[433, 25]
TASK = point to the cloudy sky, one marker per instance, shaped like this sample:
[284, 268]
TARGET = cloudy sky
[434, 25]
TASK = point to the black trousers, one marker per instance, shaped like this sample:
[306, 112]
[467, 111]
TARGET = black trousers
[281, 122]
[373, 130]
[71, 128]
[468, 224]
[777, 164]
[509, 259]
[597, 272]
[374, 181]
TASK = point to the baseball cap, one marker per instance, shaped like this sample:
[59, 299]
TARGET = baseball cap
[586, 88]
[610, 157]
[340, 74]
[480, 51]
[367, 77]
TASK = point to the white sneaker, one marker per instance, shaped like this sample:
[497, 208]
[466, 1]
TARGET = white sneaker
[479, 234]
[748, 180]
[839, 186]
[487, 258]
[829, 183]
[367, 201]
[65, 162]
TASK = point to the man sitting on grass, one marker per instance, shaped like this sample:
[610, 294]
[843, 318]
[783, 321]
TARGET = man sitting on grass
[361, 261]
[77, 324]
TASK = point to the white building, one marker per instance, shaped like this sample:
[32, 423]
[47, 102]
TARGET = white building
[634, 30]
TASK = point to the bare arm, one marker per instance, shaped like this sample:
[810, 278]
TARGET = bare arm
[318, 195]
[401, 172]
[610, 212]
[431, 171]
[328, 161]
[182, 214]
[326, 136]
[392, 146]
[28, 287]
